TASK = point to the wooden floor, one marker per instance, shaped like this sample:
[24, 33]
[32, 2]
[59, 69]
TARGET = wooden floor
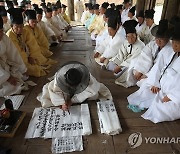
[82, 50]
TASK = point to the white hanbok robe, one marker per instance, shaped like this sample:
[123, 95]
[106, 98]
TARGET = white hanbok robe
[6, 27]
[101, 37]
[79, 7]
[62, 20]
[124, 15]
[168, 84]
[56, 22]
[148, 58]
[52, 95]
[140, 29]
[47, 31]
[49, 23]
[147, 34]
[11, 64]
[124, 58]
[109, 47]
[85, 16]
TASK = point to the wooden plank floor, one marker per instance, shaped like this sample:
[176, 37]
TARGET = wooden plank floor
[82, 50]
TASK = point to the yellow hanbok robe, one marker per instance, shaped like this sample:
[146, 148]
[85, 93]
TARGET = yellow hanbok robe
[66, 17]
[41, 39]
[97, 25]
[33, 47]
[19, 41]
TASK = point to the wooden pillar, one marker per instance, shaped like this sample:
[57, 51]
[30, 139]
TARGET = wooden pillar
[71, 9]
[149, 4]
[140, 5]
[170, 8]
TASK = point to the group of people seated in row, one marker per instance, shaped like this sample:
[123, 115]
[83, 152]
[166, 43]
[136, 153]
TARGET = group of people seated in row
[25, 45]
[138, 52]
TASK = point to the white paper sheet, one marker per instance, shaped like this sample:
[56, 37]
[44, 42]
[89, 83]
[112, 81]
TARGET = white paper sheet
[67, 144]
[54, 123]
[16, 100]
[108, 118]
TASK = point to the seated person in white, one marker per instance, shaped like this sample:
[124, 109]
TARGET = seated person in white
[109, 48]
[150, 53]
[12, 67]
[141, 26]
[49, 33]
[72, 84]
[131, 13]
[149, 18]
[161, 92]
[128, 51]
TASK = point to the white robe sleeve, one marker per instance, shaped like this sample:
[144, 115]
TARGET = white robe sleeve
[114, 45]
[14, 57]
[4, 75]
[145, 59]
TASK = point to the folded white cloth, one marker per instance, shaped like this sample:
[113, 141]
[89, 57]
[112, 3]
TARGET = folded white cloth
[108, 118]
[54, 122]
[67, 144]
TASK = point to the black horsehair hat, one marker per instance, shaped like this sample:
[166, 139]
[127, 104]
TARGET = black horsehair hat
[16, 15]
[3, 12]
[161, 30]
[176, 32]
[149, 14]
[73, 77]
[31, 14]
[132, 10]
[129, 26]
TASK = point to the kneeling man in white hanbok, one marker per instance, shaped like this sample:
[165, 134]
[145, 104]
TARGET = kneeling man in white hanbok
[161, 92]
[12, 66]
[72, 84]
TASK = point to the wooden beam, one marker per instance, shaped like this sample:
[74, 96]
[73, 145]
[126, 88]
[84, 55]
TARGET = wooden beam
[71, 9]
[170, 8]
[140, 5]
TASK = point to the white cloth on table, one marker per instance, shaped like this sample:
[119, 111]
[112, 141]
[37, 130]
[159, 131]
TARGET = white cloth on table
[108, 118]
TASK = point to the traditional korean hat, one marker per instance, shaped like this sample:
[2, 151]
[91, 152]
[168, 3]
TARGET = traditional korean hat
[149, 14]
[16, 15]
[105, 5]
[132, 10]
[161, 30]
[39, 11]
[129, 26]
[108, 12]
[113, 5]
[96, 6]
[119, 7]
[73, 77]
[31, 14]
[141, 14]
[86, 4]
[1, 23]
[126, 1]
[64, 6]
[176, 32]
[113, 21]
[3, 12]
[9, 4]
[54, 8]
